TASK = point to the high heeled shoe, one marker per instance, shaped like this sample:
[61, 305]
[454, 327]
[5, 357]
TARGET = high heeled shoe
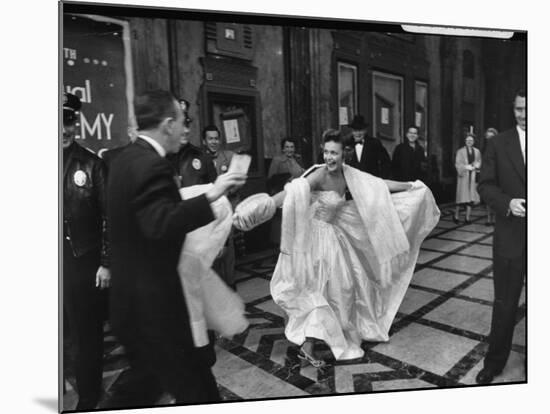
[307, 358]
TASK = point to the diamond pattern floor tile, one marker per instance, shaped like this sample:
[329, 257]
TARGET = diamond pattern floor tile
[434, 350]
[262, 363]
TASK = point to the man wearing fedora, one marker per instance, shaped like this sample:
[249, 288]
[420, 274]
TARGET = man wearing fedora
[370, 155]
[85, 256]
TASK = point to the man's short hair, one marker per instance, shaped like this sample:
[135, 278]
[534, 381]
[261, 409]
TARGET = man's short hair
[210, 128]
[519, 92]
[494, 131]
[412, 126]
[152, 107]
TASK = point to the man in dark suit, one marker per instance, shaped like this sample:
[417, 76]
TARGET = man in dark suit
[502, 187]
[370, 155]
[408, 161]
[108, 155]
[149, 223]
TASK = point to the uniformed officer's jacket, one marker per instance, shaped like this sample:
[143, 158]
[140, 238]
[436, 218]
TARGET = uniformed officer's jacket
[221, 160]
[193, 166]
[84, 219]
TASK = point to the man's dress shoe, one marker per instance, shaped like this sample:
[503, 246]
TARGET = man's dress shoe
[486, 375]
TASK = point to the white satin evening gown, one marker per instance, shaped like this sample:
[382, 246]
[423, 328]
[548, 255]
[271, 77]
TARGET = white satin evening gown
[329, 284]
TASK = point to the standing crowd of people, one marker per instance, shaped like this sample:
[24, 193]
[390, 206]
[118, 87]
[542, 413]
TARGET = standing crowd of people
[350, 238]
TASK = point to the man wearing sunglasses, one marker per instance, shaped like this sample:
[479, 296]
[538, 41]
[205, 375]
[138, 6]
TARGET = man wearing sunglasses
[191, 164]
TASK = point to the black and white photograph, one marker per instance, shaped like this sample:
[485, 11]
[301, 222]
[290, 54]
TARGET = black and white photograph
[258, 207]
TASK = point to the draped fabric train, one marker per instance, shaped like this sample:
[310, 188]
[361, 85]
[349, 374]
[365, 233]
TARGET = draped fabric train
[210, 302]
[329, 278]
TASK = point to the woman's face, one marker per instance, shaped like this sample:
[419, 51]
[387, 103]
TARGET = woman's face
[288, 149]
[469, 142]
[333, 153]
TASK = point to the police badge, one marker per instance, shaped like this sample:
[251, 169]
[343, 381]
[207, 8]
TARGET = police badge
[196, 163]
[79, 178]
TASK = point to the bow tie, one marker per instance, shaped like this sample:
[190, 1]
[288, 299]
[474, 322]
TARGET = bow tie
[358, 143]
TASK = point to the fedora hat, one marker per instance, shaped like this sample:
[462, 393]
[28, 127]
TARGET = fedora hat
[358, 122]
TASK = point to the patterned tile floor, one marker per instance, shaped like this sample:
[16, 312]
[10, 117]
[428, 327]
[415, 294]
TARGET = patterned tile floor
[437, 340]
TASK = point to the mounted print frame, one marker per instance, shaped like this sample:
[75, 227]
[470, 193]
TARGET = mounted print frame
[388, 113]
[259, 79]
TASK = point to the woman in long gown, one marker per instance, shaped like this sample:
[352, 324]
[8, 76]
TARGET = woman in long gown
[348, 251]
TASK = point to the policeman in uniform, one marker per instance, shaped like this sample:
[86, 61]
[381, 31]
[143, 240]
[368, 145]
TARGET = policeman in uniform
[85, 256]
[191, 164]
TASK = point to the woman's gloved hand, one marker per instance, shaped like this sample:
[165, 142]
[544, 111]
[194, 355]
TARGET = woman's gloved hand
[253, 211]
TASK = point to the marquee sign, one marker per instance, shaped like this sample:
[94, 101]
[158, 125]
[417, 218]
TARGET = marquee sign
[97, 67]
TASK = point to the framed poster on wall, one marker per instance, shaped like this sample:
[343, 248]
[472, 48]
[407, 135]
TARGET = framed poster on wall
[387, 108]
[347, 92]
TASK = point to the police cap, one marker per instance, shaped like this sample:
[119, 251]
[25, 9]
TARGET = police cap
[71, 105]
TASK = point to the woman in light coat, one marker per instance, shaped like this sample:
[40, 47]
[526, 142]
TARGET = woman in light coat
[467, 164]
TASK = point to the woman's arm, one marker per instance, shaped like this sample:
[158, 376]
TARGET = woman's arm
[313, 180]
[279, 198]
[397, 186]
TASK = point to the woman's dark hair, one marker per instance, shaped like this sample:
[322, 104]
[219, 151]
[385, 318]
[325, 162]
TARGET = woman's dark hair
[332, 135]
[152, 107]
[285, 140]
